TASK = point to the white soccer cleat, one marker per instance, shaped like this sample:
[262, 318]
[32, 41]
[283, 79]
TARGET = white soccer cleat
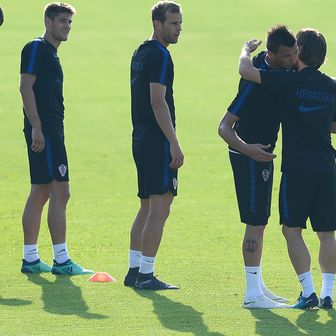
[274, 297]
[263, 302]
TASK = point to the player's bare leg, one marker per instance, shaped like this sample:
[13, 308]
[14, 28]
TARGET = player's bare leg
[327, 260]
[138, 225]
[31, 219]
[159, 209]
[136, 243]
[31, 222]
[297, 249]
[300, 258]
[59, 197]
[257, 295]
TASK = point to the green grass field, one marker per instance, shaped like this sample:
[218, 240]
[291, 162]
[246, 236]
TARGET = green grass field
[201, 247]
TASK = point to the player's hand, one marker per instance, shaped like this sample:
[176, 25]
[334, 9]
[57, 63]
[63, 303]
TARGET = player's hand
[252, 45]
[38, 140]
[177, 156]
[257, 152]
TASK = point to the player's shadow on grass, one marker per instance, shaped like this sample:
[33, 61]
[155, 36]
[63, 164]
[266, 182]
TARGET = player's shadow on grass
[14, 302]
[307, 321]
[177, 316]
[63, 297]
[270, 323]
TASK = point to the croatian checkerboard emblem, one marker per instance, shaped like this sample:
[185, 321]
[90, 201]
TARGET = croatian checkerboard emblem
[175, 183]
[265, 174]
[62, 169]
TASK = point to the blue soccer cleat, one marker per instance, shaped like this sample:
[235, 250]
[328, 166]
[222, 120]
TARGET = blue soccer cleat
[36, 266]
[326, 303]
[152, 283]
[131, 277]
[69, 268]
[306, 303]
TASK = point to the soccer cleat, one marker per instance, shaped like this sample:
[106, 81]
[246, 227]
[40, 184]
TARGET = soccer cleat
[263, 302]
[69, 268]
[274, 297]
[306, 303]
[36, 266]
[131, 276]
[152, 283]
[326, 303]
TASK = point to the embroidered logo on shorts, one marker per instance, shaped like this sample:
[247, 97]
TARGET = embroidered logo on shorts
[266, 174]
[175, 183]
[62, 169]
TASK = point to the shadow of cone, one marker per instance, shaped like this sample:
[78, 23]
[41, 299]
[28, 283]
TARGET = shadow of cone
[102, 277]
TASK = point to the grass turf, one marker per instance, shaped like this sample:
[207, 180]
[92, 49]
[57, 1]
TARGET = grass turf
[201, 247]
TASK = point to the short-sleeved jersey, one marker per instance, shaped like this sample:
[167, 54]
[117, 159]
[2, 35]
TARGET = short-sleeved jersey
[308, 102]
[40, 59]
[151, 63]
[257, 110]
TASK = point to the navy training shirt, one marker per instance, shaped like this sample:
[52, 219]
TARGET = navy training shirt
[308, 103]
[151, 63]
[39, 58]
[257, 109]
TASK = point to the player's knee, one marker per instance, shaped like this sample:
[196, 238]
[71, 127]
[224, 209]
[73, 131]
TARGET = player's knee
[291, 233]
[326, 237]
[39, 196]
[162, 211]
[61, 196]
[255, 231]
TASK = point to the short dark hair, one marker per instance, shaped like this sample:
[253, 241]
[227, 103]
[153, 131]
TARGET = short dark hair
[55, 8]
[312, 47]
[2, 17]
[160, 9]
[279, 35]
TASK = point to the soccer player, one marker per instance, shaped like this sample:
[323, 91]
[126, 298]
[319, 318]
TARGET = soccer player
[250, 127]
[156, 150]
[2, 17]
[308, 182]
[41, 88]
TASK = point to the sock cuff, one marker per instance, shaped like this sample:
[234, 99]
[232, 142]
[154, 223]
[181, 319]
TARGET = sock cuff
[304, 275]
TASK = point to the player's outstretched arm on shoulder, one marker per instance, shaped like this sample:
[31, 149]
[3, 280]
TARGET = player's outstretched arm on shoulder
[246, 68]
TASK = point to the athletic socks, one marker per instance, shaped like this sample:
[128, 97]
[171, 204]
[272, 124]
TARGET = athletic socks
[253, 286]
[327, 285]
[146, 264]
[307, 284]
[30, 253]
[134, 258]
[61, 253]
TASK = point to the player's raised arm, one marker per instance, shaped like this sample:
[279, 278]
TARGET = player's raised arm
[162, 116]
[256, 152]
[246, 68]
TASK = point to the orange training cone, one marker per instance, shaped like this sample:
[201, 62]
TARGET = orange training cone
[102, 277]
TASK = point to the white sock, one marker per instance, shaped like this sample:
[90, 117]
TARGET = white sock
[327, 285]
[134, 258]
[61, 253]
[30, 253]
[307, 284]
[146, 264]
[253, 287]
[262, 284]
